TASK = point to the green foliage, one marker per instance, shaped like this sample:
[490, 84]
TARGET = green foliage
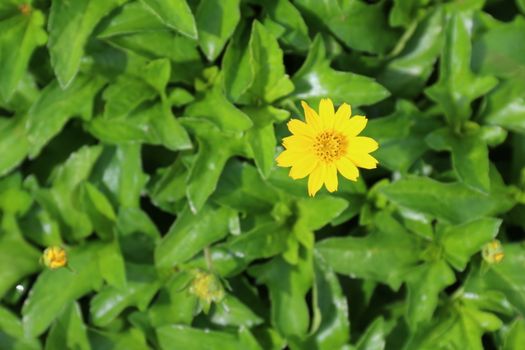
[141, 136]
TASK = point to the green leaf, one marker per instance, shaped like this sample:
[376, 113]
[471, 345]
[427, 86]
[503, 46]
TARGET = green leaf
[70, 25]
[288, 285]
[119, 169]
[516, 335]
[174, 304]
[232, 257]
[12, 334]
[361, 26]
[175, 14]
[237, 65]
[216, 21]
[214, 106]
[505, 105]
[56, 289]
[141, 286]
[55, 107]
[470, 158]
[457, 86]
[451, 202]
[18, 259]
[215, 148]
[314, 213]
[68, 330]
[316, 79]
[134, 17]
[99, 209]
[232, 312]
[131, 339]
[261, 137]
[374, 336]
[183, 337]
[400, 136]
[333, 328]
[60, 200]
[495, 51]
[424, 284]
[13, 143]
[380, 256]
[21, 35]
[461, 328]
[462, 241]
[270, 79]
[191, 233]
[112, 265]
[406, 74]
[286, 23]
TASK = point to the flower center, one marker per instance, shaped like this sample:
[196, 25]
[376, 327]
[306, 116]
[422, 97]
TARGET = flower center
[329, 146]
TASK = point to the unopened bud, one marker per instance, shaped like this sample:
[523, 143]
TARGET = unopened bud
[54, 257]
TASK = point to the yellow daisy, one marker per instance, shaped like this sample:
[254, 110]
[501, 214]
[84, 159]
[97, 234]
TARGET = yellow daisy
[325, 144]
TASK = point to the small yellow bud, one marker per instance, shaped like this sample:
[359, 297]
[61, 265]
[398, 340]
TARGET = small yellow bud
[54, 257]
[207, 287]
[493, 252]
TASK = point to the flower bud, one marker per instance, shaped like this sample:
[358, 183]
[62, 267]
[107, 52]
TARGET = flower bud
[207, 288]
[54, 257]
[493, 252]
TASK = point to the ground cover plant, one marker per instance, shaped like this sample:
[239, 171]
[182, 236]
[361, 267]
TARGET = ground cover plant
[142, 205]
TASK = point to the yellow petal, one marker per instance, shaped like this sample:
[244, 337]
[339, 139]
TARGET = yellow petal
[316, 179]
[326, 112]
[362, 144]
[343, 113]
[353, 126]
[297, 142]
[303, 167]
[363, 160]
[311, 117]
[287, 158]
[330, 179]
[298, 127]
[347, 169]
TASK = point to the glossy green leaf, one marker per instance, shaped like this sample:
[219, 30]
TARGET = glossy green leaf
[270, 80]
[175, 14]
[216, 21]
[70, 25]
[361, 26]
[457, 86]
[374, 336]
[22, 33]
[55, 107]
[496, 52]
[13, 143]
[462, 241]
[68, 329]
[140, 288]
[191, 233]
[470, 158]
[316, 79]
[452, 202]
[288, 285]
[17, 260]
[381, 256]
[406, 74]
[516, 335]
[12, 334]
[182, 337]
[424, 284]
[506, 107]
[285, 21]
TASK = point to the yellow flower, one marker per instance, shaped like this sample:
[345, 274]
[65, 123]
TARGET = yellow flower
[493, 252]
[54, 257]
[326, 144]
